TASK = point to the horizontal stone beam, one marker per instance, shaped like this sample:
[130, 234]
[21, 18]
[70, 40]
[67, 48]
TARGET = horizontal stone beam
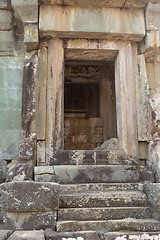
[103, 4]
[62, 21]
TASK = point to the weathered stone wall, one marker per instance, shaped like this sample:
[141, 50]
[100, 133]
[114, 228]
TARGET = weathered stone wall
[11, 72]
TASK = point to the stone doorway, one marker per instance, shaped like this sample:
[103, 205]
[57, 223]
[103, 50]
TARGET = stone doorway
[122, 124]
[89, 104]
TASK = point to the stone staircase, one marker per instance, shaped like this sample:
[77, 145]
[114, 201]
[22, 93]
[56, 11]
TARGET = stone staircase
[104, 198]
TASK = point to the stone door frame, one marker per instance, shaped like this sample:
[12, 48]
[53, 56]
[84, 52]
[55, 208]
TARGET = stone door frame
[125, 85]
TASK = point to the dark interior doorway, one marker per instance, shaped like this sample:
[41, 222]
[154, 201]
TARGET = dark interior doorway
[89, 104]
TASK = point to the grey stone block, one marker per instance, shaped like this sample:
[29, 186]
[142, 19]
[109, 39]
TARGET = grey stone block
[6, 41]
[30, 221]
[20, 171]
[89, 235]
[153, 193]
[27, 235]
[29, 196]
[31, 36]
[4, 234]
[26, 11]
[3, 169]
[5, 20]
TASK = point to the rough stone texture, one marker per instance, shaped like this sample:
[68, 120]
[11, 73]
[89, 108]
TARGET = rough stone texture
[3, 170]
[102, 4]
[89, 235]
[100, 199]
[11, 71]
[91, 22]
[154, 157]
[44, 174]
[93, 214]
[131, 235]
[29, 196]
[42, 75]
[143, 102]
[101, 174]
[27, 235]
[31, 36]
[112, 147]
[20, 170]
[41, 153]
[6, 41]
[5, 4]
[28, 145]
[100, 187]
[152, 16]
[29, 220]
[26, 11]
[127, 224]
[153, 192]
[4, 234]
[5, 20]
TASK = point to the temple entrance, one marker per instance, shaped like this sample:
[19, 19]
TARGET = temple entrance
[89, 104]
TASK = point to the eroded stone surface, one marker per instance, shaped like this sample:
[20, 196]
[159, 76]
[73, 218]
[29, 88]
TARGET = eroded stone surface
[29, 220]
[20, 170]
[3, 170]
[29, 196]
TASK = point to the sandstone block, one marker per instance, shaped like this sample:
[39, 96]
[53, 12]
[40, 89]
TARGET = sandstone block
[5, 20]
[3, 170]
[153, 192]
[6, 41]
[85, 23]
[30, 220]
[89, 235]
[31, 36]
[29, 196]
[20, 171]
[27, 235]
[44, 170]
[26, 11]
[152, 16]
[44, 174]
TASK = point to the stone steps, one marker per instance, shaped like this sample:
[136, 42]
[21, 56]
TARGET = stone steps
[101, 187]
[103, 199]
[90, 214]
[71, 174]
[128, 224]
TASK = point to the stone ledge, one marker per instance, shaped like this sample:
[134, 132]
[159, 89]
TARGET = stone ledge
[91, 23]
